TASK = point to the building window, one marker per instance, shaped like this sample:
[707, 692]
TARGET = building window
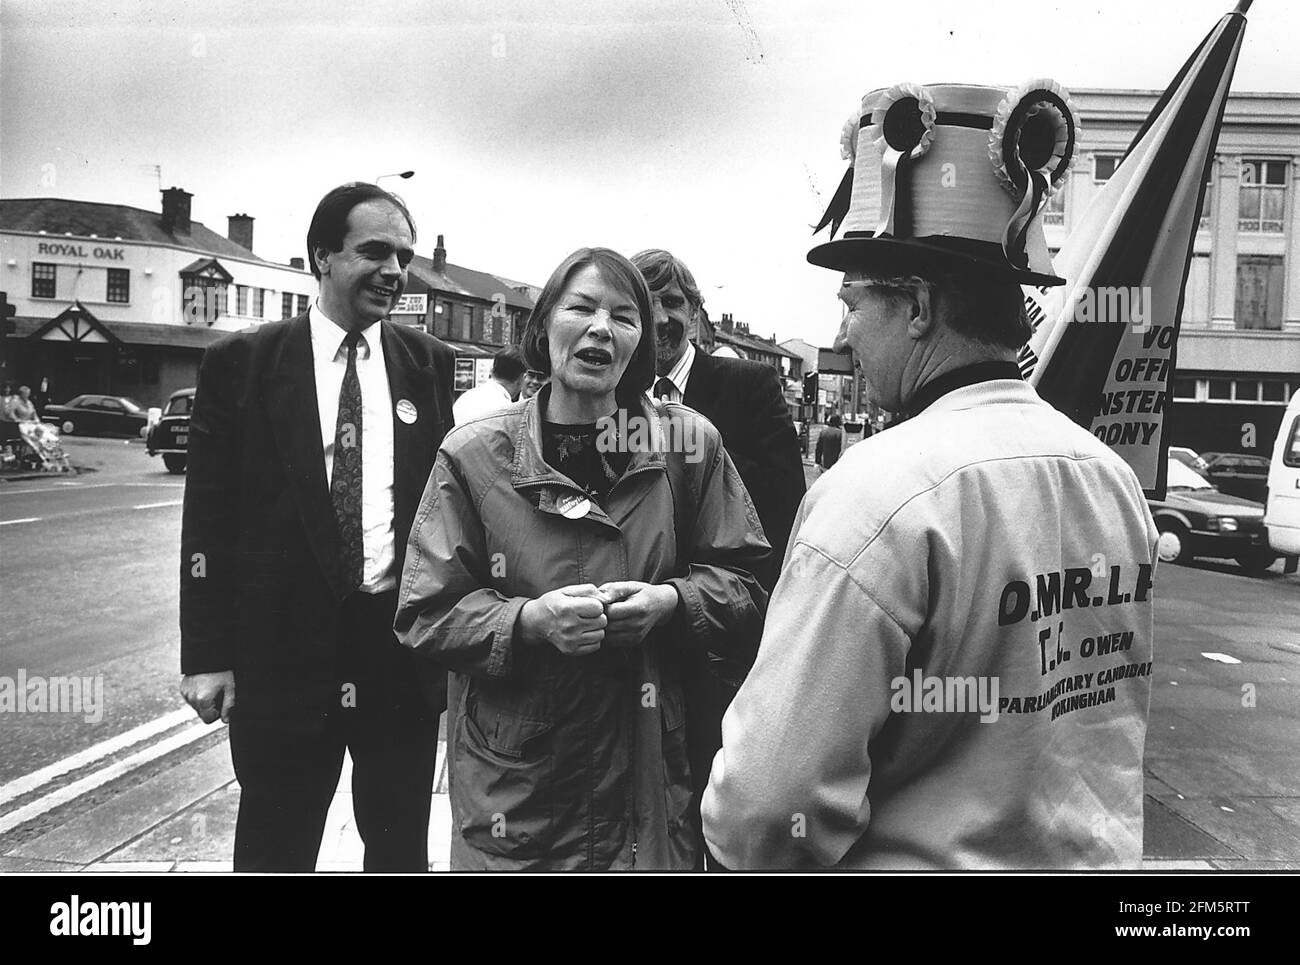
[204, 297]
[286, 305]
[241, 299]
[1274, 391]
[1263, 196]
[1185, 388]
[302, 304]
[1054, 210]
[466, 322]
[1103, 166]
[259, 302]
[119, 285]
[1259, 291]
[42, 280]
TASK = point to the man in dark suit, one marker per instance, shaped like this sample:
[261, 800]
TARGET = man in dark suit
[310, 444]
[744, 400]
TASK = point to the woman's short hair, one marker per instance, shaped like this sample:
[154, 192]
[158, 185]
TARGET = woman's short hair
[617, 271]
[329, 225]
[661, 268]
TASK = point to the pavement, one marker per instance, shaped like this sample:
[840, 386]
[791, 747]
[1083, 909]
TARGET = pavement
[1222, 781]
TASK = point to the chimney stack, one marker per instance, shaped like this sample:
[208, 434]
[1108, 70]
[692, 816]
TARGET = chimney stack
[240, 230]
[176, 210]
[297, 263]
[440, 257]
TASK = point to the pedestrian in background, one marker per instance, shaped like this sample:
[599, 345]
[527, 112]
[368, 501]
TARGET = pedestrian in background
[829, 443]
[498, 390]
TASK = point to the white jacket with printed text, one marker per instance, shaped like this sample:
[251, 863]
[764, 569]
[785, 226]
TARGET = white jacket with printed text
[955, 668]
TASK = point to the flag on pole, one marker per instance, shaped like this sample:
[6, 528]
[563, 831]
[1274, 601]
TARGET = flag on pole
[1104, 349]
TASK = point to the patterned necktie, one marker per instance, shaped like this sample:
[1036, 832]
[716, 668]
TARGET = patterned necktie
[345, 481]
[664, 388]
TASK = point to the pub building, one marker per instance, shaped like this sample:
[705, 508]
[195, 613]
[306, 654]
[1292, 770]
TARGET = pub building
[115, 300]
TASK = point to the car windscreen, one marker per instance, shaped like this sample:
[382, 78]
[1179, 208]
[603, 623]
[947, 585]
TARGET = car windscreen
[1184, 477]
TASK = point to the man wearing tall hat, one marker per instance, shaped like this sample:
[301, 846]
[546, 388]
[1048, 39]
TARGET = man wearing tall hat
[955, 667]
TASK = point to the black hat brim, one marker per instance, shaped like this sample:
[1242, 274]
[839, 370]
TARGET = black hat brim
[853, 253]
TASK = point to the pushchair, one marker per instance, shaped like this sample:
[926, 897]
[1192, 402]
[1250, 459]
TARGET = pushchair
[32, 445]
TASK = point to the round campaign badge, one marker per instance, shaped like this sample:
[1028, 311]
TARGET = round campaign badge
[406, 411]
[573, 506]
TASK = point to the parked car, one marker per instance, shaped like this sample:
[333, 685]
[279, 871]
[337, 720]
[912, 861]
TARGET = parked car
[1282, 515]
[1189, 457]
[98, 415]
[1237, 474]
[170, 435]
[1195, 519]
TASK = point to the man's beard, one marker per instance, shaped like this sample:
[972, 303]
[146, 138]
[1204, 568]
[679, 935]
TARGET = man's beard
[667, 350]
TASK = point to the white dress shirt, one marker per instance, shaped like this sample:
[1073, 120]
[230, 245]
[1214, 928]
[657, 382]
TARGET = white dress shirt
[330, 360]
[679, 375]
[490, 396]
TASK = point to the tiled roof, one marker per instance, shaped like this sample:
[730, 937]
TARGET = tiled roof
[752, 343]
[59, 216]
[458, 280]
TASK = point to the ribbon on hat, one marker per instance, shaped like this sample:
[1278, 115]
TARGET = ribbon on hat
[839, 206]
[1031, 146]
[902, 134]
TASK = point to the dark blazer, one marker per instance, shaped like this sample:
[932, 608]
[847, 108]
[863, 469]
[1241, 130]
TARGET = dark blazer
[744, 400]
[260, 587]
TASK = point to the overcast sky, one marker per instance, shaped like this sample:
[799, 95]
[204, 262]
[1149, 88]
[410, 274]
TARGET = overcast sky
[710, 128]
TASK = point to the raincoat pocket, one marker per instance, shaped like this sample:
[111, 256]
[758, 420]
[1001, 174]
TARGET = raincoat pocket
[501, 794]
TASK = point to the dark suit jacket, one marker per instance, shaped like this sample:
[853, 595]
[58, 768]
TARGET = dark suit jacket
[743, 399]
[260, 584]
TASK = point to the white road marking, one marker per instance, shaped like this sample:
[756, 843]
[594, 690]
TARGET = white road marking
[81, 486]
[174, 502]
[101, 777]
[11, 522]
[30, 782]
[1220, 657]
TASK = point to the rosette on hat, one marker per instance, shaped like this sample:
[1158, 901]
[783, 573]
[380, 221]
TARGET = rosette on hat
[903, 130]
[1031, 147]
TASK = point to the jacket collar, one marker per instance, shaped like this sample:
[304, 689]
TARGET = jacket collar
[530, 469]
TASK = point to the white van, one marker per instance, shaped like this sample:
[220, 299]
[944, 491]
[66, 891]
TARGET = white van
[1282, 511]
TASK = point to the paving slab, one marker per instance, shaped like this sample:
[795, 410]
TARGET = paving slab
[1167, 835]
[1249, 826]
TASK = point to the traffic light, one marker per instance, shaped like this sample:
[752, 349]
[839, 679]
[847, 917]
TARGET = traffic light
[810, 389]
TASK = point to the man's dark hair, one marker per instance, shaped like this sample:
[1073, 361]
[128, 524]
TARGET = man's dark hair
[661, 268]
[834, 420]
[508, 364]
[329, 225]
[618, 271]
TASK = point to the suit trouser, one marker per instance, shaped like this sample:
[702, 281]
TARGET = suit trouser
[707, 699]
[288, 776]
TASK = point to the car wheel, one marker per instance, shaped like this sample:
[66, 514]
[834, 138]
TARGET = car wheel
[1173, 546]
[175, 462]
[1257, 562]
[68, 427]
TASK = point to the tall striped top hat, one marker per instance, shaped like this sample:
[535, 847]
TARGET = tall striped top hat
[955, 171]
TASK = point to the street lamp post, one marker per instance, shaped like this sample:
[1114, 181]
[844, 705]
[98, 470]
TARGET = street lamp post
[396, 174]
